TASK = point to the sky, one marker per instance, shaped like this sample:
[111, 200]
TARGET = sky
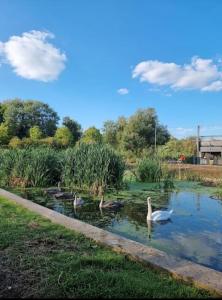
[96, 60]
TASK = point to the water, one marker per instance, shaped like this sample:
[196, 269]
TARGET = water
[194, 231]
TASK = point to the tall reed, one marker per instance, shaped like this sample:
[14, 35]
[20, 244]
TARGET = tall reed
[93, 167]
[29, 167]
[149, 170]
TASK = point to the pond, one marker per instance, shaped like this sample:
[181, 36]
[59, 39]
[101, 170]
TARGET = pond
[194, 231]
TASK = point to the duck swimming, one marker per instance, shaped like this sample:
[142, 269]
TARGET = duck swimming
[110, 204]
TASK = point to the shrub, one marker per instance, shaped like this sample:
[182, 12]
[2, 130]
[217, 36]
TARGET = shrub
[91, 135]
[63, 137]
[4, 134]
[149, 170]
[35, 133]
[15, 142]
[48, 141]
[28, 142]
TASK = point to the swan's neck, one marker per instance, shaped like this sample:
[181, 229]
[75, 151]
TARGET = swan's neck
[75, 201]
[149, 213]
[101, 202]
[149, 228]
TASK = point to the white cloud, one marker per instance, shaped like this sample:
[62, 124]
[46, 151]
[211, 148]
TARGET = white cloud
[200, 74]
[123, 91]
[32, 57]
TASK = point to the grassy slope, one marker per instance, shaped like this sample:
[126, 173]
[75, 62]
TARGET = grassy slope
[41, 259]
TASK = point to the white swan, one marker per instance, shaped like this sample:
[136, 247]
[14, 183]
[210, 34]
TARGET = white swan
[159, 215]
[78, 201]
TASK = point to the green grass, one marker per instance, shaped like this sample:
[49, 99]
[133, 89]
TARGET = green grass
[41, 259]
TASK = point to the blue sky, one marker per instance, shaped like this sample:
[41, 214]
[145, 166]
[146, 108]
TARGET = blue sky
[101, 59]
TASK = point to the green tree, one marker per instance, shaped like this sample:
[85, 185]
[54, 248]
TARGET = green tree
[20, 116]
[139, 132]
[175, 147]
[35, 133]
[91, 135]
[63, 137]
[1, 113]
[4, 134]
[110, 133]
[74, 127]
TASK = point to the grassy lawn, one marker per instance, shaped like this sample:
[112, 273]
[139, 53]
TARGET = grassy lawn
[41, 259]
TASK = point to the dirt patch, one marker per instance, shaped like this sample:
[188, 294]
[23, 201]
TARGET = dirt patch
[15, 282]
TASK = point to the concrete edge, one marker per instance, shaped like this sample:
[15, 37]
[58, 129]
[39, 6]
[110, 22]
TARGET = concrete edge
[188, 271]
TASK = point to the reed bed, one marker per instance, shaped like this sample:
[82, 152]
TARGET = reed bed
[29, 167]
[92, 167]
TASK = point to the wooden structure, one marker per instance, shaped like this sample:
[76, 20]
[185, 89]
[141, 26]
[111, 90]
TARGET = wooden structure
[209, 149]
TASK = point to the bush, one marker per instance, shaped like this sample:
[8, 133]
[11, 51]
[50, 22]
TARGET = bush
[4, 134]
[93, 166]
[63, 137]
[15, 142]
[91, 135]
[149, 170]
[48, 141]
[35, 133]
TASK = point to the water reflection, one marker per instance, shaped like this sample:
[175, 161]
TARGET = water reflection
[198, 202]
[194, 231]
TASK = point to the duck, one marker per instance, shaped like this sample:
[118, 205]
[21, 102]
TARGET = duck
[110, 204]
[54, 190]
[78, 201]
[159, 215]
[64, 195]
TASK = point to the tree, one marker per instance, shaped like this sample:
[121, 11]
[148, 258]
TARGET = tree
[35, 133]
[20, 116]
[91, 135]
[110, 133]
[139, 132]
[4, 134]
[1, 113]
[74, 127]
[63, 137]
[174, 148]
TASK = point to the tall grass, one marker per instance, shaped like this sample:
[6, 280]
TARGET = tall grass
[92, 166]
[149, 170]
[29, 167]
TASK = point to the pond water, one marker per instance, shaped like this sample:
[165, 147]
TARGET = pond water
[194, 231]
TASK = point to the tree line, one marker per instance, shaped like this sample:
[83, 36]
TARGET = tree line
[30, 122]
